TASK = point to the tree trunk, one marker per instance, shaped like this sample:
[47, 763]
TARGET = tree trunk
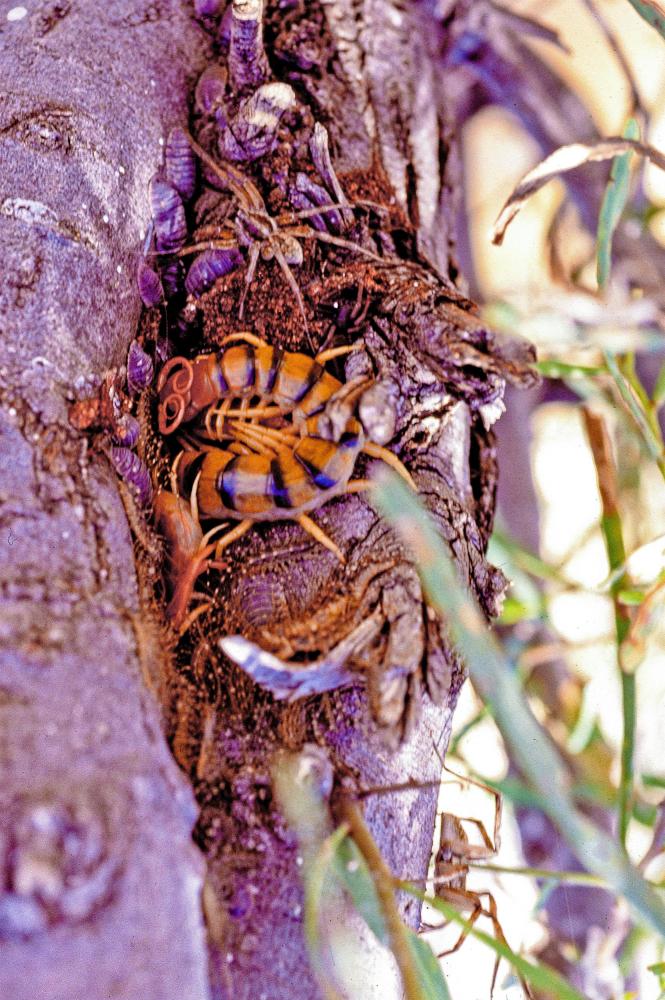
[101, 882]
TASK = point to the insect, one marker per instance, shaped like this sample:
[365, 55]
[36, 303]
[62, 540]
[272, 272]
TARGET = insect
[300, 454]
[133, 470]
[266, 237]
[451, 867]
[180, 163]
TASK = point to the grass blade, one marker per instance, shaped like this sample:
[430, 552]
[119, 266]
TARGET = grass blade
[652, 13]
[614, 202]
[544, 979]
[495, 681]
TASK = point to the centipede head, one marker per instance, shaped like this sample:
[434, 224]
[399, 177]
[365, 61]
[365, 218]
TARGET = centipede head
[185, 389]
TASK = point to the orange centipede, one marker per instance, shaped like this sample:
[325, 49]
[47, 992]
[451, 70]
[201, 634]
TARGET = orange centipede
[290, 462]
[284, 381]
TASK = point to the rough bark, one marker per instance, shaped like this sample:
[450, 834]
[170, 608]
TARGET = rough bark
[70, 587]
[99, 876]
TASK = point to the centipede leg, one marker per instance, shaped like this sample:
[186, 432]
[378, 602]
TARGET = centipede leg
[192, 616]
[183, 592]
[377, 451]
[265, 440]
[233, 536]
[335, 352]
[319, 534]
[359, 486]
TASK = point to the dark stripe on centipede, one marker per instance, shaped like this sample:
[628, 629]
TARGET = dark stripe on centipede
[313, 376]
[317, 475]
[250, 366]
[279, 491]
[349, 439]
[191, 472]
[221, 381]
[275, 365]
[225, 489]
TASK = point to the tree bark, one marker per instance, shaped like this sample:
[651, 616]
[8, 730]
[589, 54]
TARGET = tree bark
[113, 906]
[99, 876]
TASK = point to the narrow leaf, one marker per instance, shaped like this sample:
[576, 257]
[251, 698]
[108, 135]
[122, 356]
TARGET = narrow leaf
[659, 388]
[496, 682]
[560, 162]
[543, 978]
[614, 202]
[352, 871]
[652, 12]
[432, 983]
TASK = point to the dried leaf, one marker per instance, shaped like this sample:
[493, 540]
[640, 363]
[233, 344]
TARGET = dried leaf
[560, 162]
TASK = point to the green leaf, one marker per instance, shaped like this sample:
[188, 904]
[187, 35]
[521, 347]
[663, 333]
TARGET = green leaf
[652, 13]
[560, 369]
[614, 202]
[500, 688]
[658, 397]
[540, 976]
[352, 871]
[634, 406]
[632, 596]
[653, 781]
[427, 966]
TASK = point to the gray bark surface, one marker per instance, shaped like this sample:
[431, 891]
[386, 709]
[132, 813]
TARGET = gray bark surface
[99, 876]
[101, 881]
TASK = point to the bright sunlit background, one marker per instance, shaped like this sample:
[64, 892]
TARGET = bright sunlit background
[574, 326]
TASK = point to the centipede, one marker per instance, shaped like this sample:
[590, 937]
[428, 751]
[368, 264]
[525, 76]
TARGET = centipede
[267, 435]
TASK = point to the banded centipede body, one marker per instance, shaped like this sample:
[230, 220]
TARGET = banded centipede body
[272, 436]
[295, 383]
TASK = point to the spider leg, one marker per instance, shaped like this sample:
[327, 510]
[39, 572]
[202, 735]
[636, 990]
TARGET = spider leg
[339, 241]
[242, 187]
[249, 277]
[292, 283]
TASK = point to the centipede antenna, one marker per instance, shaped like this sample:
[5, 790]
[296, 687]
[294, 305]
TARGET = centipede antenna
[387, 456]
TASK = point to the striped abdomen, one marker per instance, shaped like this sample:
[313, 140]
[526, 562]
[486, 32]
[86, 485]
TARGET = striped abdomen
[267, 488]
[294, 382]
